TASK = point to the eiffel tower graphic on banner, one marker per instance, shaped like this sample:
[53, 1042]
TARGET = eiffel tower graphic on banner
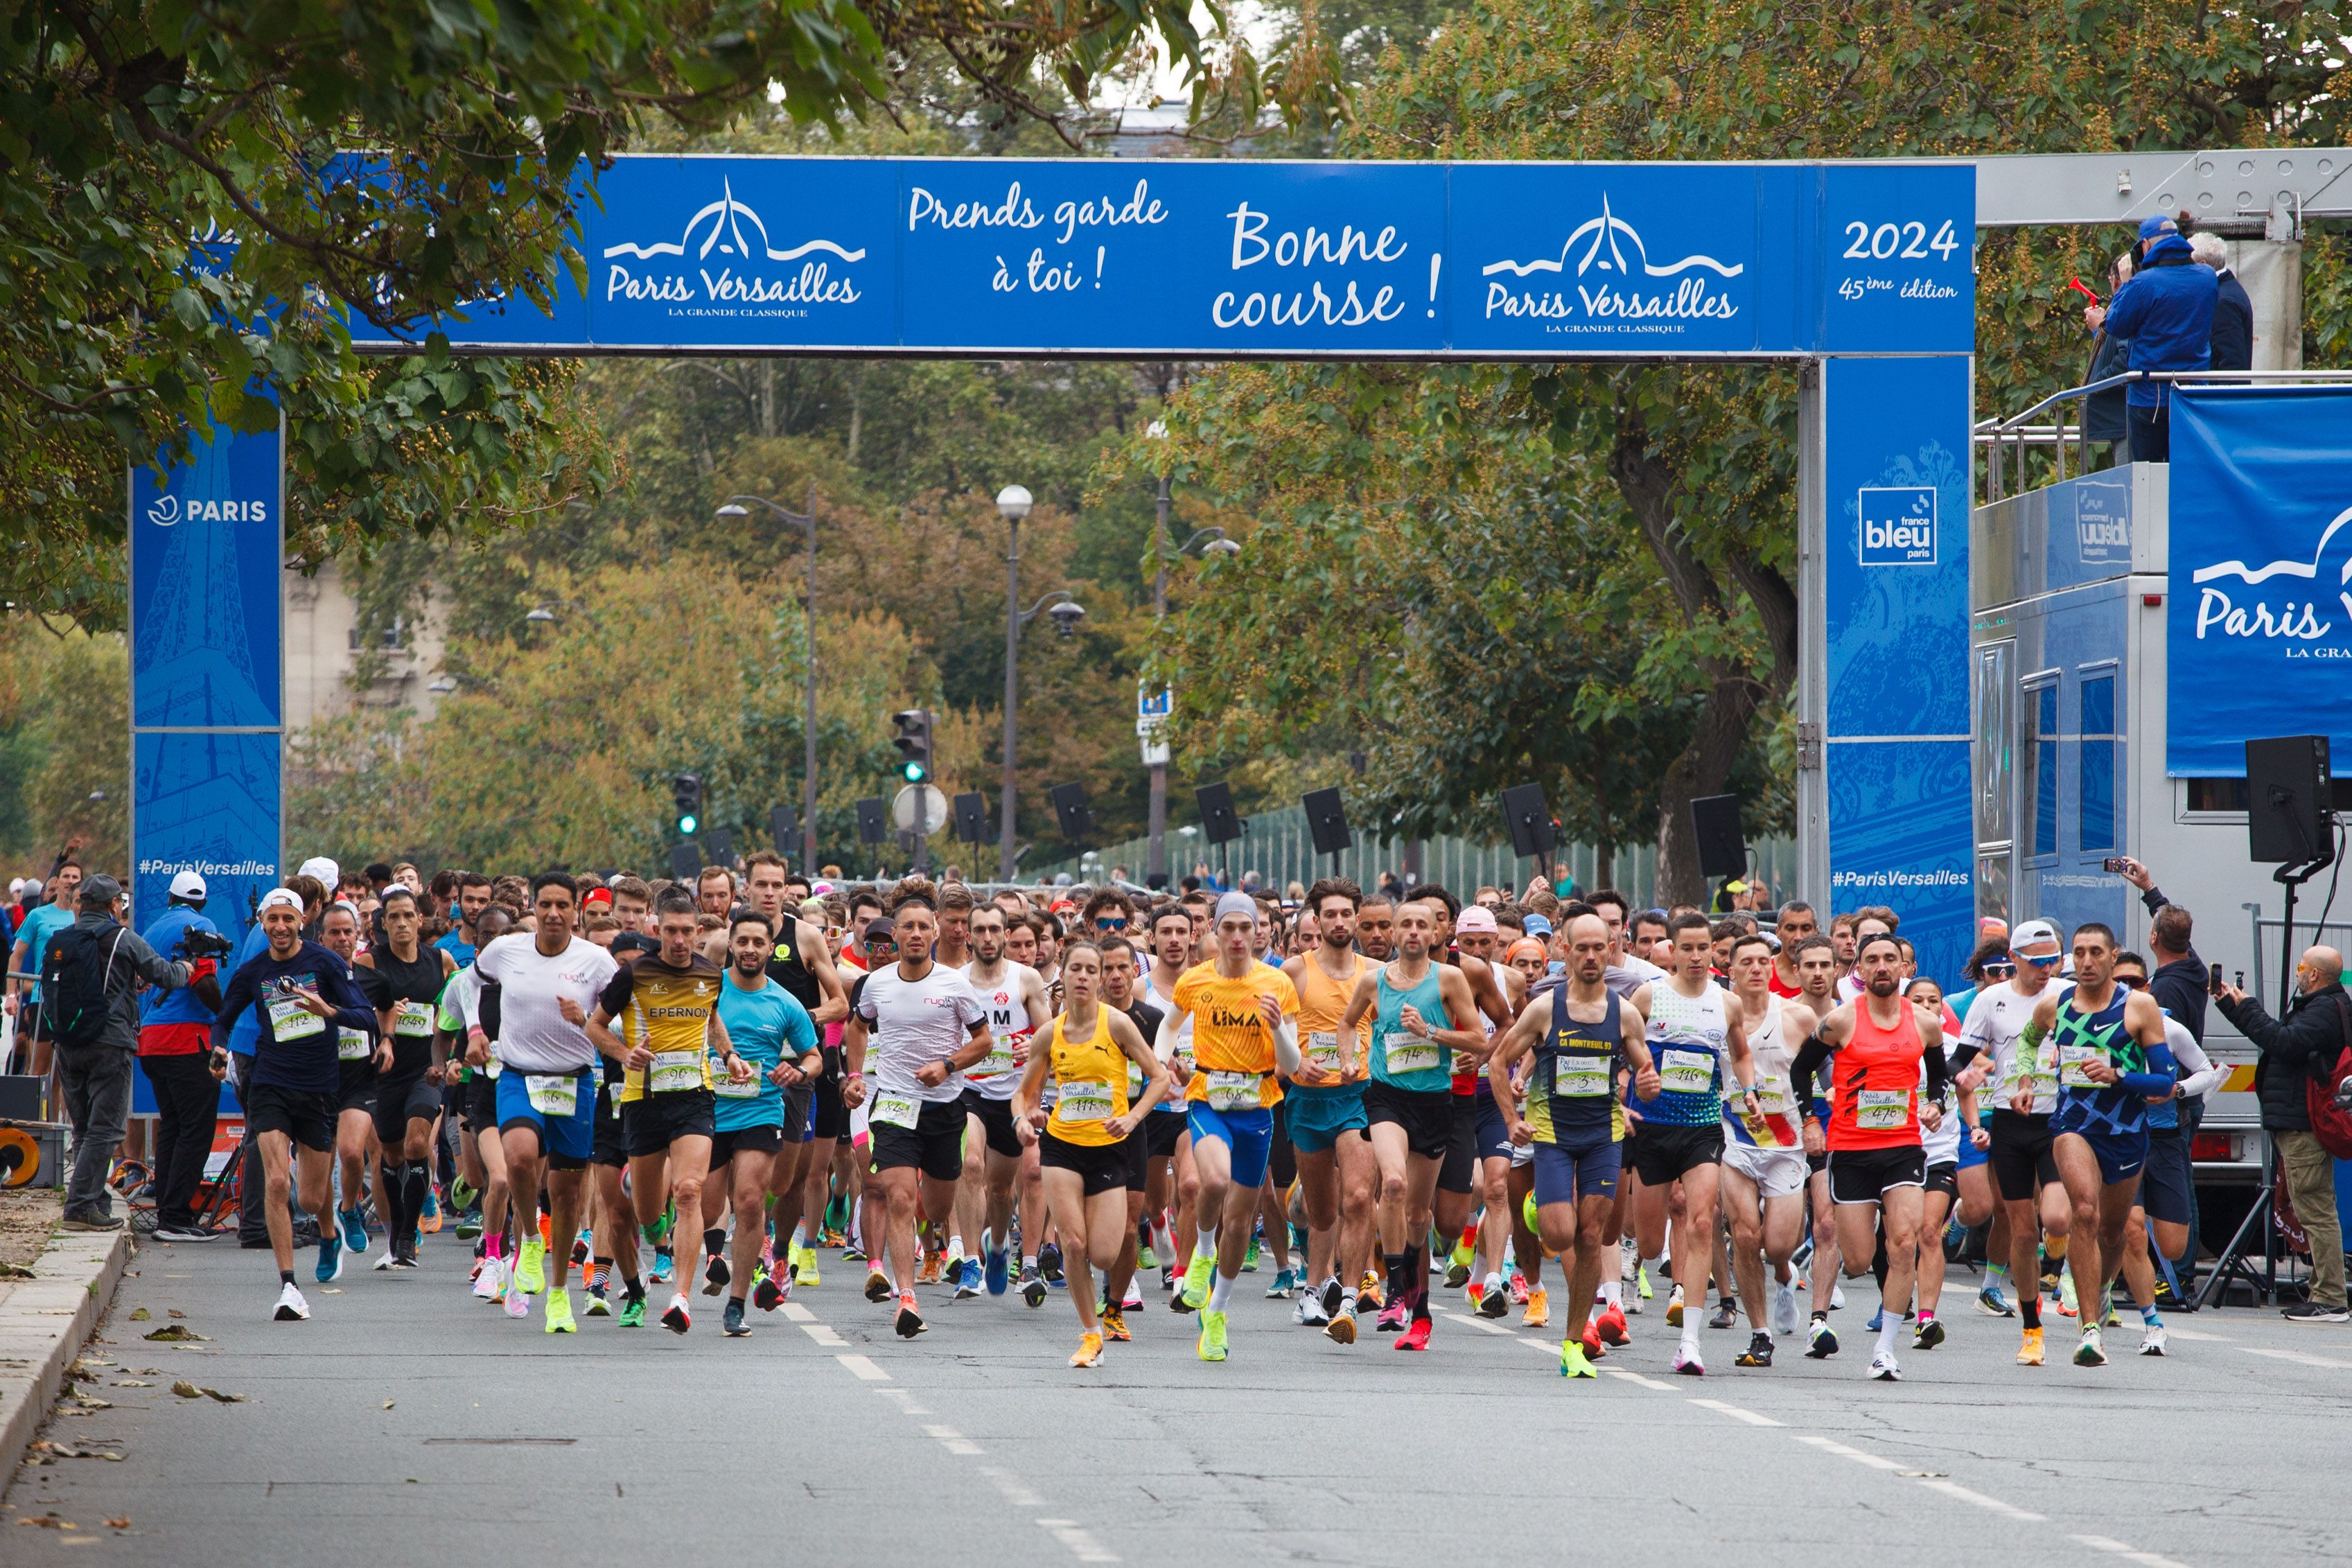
[197, 658]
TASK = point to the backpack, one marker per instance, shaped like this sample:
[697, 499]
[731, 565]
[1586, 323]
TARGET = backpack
[2331, 1124]
[73, 985]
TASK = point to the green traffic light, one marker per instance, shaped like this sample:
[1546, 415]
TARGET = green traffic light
[912, 771]
[687, 824]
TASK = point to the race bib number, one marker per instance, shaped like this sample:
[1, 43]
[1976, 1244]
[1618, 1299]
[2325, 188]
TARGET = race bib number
[1233, 1091]
[1134, 1082]
[727, 1088]
[1773, 1095]
[1580, 1079]
[550, 1095]
[414, 1021]
[1686, 1071]
[1411, 1054]
[894, 1110]
[2072, 1061]
[351, 1045]
[668, 1075]
[1084, 1100]
[998, 1061]
[1882, 1109]
[291, 1020]
[1323, 1050]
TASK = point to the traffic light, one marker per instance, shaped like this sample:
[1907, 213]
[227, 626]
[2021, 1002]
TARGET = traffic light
[686, 790]
[914, 743]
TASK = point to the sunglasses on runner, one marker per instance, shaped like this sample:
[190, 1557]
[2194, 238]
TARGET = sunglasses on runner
[2001, 970]
[2045, 963]
[1110, 922]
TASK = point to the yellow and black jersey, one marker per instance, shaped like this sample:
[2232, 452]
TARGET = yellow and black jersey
[665, 1009]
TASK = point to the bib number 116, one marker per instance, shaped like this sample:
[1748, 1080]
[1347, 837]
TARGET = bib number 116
[1909, 241]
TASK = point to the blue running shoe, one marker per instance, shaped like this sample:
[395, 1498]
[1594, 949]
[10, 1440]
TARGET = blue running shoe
[1873, 1324]
[967, 1280]
[355, 1236]
[664, 1266]
[995, 1272]
[330, 1260]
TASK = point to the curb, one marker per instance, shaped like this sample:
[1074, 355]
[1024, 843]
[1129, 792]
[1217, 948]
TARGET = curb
[45, 1321]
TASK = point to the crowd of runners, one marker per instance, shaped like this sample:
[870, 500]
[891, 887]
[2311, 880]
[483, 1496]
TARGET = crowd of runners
[618, 1093]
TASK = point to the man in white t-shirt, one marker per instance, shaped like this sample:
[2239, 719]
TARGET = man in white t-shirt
[548, 982]
[926, 1026]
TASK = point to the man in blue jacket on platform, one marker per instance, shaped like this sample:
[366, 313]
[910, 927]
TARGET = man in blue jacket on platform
[2167, 313]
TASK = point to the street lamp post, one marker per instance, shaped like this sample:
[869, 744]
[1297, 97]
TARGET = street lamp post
[806, 522]
[1014, 502]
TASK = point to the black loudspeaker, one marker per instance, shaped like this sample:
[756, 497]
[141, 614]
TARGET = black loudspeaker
[685, 863]
[1328, 821]
[1530, 822]
[873, 820]
[785, 829]
[1070, 809]
[720, 841]
[1217, 820]
[1715, 822]
[971, 818]
[2289, 815]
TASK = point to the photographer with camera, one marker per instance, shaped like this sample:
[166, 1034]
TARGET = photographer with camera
[90, 1008]
[175, 1041]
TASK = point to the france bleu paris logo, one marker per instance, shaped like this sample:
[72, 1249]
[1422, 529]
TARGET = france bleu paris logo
[1898, 524]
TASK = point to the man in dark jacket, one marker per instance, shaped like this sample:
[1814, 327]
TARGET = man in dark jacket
[2233, 308]
[2318, 1025]
[2167, 312]
[96, 1074]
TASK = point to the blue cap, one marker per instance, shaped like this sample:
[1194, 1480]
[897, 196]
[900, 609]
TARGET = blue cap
[1535, 925]
[2151, 227]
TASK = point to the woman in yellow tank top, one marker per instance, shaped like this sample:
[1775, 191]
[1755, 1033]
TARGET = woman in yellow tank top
[1083, 1158]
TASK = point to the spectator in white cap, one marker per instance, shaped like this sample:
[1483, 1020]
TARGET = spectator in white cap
[174, 1031]
[324, 871]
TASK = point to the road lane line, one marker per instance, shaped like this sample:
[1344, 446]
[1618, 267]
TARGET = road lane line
[2301, 1358]
[1635, 1377]
[1831, 1446]
[823, 1333]
[797, 1312]
[2130, 1554]
[1953, 1488]
[955, 1442]
[1083, 1546]
[1737, 1414]
[1016, 1491]
[1475, 1321]
[863, 1369]
[2200, 1335]
[904, 1399]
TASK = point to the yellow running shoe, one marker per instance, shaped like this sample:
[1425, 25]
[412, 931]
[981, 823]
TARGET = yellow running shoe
[1572, 1363]
[559, 1311]
[1641, 1280]
[2030, 1352]
[1193, 1293]
[1673, 1308]
[806, 1278]
[1213, 1336]
[1538, 1311]
[531, 1272]
[1089, 1351]
[1114, 1324]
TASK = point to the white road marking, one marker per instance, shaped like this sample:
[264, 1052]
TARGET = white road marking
[1016, 1491]
[955, 1442]
[1953, 1488]
[823, 1333]
[1737, 1414]
[864, 1370]
[904, 1398]
[1636, 1377]
[1083, 1546]
[1830, 1446]
[2198, 1335]
[1475, 1321]
[2302, 1358]
[797, 1312]
[2130, 1554]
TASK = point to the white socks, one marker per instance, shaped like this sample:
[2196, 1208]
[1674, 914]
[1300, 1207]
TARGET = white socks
[1219, 1291]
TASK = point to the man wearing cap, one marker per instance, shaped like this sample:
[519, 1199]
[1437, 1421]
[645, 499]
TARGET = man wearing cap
[175, 1028]
[2165, 311]
[2024, 1094]
[42, 921]
[95, 1074]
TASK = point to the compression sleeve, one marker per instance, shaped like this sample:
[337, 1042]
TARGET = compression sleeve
[1811, 1057]
[2159, 1077]
[1939, 1077]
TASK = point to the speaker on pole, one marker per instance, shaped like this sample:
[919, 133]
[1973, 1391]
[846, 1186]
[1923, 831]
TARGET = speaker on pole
[1328, 821]
[1218, 823]
[873, 820]
[1070, 809]
[685, 861]
[2290, 817]
[971, 817]
[785, 829]
[720, 842]
[1715, 822]
[1529, 820]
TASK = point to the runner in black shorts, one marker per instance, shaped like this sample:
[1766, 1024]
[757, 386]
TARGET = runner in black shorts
[402, 979]
[360, 1057]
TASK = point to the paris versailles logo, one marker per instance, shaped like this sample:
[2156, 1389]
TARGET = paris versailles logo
[734, 263]
[1615, 281]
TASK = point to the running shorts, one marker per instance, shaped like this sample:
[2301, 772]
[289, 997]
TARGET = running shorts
[1459, 1174]
[2122, 1156]
[1282, 1160]
[1944, 1177]
[1426, 1115]
[800, 1110]
[1665, 1152]
[399, 1101]
[1166, 1129]
[1248, 1135]
[996, 1123]
[1777, 1173]
[933, 1145]
[355, 1084]
[566, 1138]
[747, 1140]
[609, 1150]
[1101, 1167]
[1863, 1175]
[2019, 1156]
[648, 1126]
[1589, 1168]
[2164, 1185]
[1318, 1116]
[830, 1116]
[305, 1116]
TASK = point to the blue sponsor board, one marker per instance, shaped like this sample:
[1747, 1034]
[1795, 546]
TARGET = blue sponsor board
[1896, 587]
[204, 569]
[206, 803]
[1232, 258]
[2259, 615]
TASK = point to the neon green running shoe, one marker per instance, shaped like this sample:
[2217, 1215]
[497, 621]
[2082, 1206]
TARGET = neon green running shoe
[1193, 1293]
[633, 1311]
[1573, 1361]
[1641, 1280]
[530, 1268]
[1213, 1336]
[559, 1311]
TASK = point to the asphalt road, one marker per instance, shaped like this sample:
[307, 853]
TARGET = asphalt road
[408, 1422]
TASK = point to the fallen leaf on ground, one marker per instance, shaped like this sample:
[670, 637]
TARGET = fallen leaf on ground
[176, 1312]
[139, 1314]
[17, 1271]
[387, 1403]
[224, 1398]
[89, 1402]
[123, 1523]
[187, 1390]
[51, 1522]
[174, 1333]
[68, 1451]
[130, 1383]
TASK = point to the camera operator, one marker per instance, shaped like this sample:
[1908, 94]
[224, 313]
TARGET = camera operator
[175, 1049]
[91, 1001]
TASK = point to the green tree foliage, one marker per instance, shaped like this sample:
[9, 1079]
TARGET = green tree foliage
[1692, 463]
[65, 738]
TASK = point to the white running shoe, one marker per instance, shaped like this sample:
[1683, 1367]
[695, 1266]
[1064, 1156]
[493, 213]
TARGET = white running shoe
[1883, 1368]
[1837, 1297]
[491, 1282]
[1308, 1310]
[518, 1303]
[291, 1307]
[2152, 1340]
[1788, 1316]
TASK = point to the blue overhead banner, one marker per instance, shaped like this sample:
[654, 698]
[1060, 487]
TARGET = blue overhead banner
[2259, 611]
[1897, 590]
[1238, 259]
[207, 543]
